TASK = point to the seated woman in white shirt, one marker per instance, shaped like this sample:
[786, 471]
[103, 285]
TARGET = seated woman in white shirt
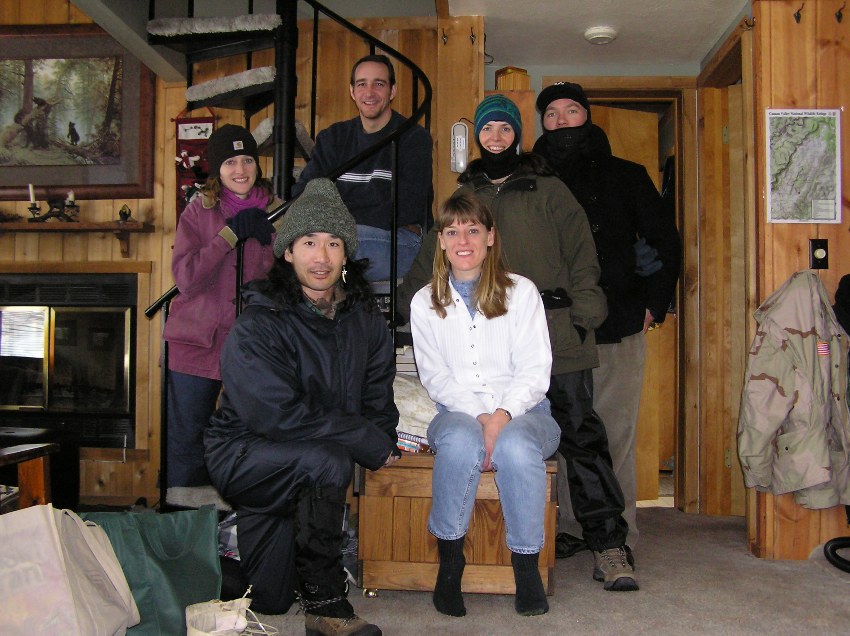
[482, 351]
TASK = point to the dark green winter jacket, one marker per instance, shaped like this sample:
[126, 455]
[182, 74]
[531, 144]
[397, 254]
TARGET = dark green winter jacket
[546, 238]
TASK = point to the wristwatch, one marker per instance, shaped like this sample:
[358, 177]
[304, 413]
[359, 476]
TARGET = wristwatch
[506, 412]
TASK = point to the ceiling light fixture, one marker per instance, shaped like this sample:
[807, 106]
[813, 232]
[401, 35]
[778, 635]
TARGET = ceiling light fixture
[600, 34]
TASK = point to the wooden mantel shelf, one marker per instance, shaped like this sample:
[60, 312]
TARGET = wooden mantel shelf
[121, 229]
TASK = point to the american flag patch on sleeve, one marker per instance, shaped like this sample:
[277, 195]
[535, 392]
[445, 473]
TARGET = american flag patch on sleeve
[823, 348]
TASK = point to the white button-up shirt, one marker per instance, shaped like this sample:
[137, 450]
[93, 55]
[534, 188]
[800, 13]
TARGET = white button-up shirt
[474, 365]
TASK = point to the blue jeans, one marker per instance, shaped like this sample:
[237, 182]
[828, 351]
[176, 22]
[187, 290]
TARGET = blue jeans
[375, 245]
[191, 402]
[518, 459]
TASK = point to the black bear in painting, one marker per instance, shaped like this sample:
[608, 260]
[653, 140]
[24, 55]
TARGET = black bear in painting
[73, 135]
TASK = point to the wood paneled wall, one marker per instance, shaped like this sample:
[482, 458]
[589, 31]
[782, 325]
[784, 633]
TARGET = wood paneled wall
[798, 65]
[456, 66]
[107, 473]
[722, 303]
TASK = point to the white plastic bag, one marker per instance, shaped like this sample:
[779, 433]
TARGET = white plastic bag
[59, 575]
[224, 618]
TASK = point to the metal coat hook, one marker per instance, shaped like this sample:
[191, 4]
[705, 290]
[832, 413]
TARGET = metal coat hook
[488, 59]
[471, 35]
[798, 14]
[445, 37]
[748, 23]
[839, 15]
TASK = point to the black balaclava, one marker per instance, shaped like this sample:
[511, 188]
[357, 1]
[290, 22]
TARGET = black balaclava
[498, 166]
[564, 144]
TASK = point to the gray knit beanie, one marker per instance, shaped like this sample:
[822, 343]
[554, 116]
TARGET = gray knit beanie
[318, 209]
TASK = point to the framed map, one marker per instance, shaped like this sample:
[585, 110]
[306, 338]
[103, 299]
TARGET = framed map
[803, 166]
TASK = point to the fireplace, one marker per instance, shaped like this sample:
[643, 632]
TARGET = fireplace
[67, 355]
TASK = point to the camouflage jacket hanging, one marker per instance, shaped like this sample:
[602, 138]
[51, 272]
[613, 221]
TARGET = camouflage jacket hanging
[794, 425]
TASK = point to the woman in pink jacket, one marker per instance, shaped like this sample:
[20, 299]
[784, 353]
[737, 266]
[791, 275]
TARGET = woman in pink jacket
[231, 207]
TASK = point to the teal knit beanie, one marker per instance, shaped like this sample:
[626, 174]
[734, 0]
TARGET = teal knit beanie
[498, 108]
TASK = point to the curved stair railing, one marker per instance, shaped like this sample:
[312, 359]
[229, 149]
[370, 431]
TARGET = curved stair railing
[422, 110]
[285, 42]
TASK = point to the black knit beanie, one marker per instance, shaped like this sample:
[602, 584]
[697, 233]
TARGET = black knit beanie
[562, 90]
[230, 141]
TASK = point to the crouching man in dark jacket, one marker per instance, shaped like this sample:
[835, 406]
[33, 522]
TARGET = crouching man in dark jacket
[307, 371]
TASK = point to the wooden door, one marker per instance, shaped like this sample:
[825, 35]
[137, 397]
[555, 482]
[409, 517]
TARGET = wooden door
[634, 136]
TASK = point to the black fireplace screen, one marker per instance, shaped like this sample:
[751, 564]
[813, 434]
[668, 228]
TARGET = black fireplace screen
[69, 366]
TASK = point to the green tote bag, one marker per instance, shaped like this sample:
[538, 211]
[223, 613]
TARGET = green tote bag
[170, 561]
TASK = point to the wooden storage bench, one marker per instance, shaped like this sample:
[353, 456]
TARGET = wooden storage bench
[398, 553]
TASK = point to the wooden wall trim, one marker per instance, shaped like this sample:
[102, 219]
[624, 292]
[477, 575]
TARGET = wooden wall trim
[639, 83]
[724, 69]
[688, 466]
[79, 267]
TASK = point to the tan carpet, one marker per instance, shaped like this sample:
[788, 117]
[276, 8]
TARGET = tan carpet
[696, 577]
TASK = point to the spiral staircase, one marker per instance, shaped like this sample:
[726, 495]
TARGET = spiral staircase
[282, 137]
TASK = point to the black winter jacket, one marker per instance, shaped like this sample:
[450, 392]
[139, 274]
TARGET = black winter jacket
[292, 374]
[622, 204]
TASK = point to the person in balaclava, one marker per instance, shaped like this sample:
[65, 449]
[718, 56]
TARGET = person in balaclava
[546, 238]
[627, 217]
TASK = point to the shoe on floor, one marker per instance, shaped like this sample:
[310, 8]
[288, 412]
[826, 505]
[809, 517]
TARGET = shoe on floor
[613, 569]
[330, 626]
[566, 545]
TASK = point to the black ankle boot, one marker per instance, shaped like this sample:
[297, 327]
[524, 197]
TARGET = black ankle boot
[530, 596]
[448, 598]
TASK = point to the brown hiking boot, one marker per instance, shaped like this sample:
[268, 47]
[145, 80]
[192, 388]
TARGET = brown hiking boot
[614, 568]
[329, 626]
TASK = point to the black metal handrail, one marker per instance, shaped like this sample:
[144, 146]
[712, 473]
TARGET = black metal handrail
[422, 110]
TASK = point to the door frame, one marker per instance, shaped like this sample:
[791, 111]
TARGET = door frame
[680, 92]
[730, 64]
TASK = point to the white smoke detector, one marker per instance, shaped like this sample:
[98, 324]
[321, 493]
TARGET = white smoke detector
[600, 34]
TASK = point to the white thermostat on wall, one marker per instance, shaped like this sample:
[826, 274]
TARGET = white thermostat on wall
[460, 147]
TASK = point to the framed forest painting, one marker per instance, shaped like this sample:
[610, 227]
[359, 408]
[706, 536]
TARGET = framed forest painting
[76, 113]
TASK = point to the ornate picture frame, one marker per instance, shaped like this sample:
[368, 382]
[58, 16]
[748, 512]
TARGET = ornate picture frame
[109, 156]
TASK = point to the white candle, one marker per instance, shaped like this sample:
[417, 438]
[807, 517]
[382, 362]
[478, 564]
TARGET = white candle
[71, 196]
[32, 194]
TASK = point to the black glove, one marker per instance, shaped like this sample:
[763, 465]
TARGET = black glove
[252, 223]
[556, 298]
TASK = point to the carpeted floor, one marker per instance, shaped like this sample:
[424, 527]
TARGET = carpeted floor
[696, 577]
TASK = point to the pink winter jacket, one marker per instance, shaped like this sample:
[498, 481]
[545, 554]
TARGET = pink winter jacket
[204, 269]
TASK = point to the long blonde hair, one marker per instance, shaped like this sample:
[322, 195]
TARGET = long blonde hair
[492, 289]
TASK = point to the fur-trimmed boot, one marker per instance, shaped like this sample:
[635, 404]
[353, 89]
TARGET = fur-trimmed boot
[447, 597]
[318, 559]
[530, 596]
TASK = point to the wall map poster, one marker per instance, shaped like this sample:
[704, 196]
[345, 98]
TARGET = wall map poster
[803, 166]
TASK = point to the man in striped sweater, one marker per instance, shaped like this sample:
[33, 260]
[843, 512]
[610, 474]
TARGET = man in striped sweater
[366, 188]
